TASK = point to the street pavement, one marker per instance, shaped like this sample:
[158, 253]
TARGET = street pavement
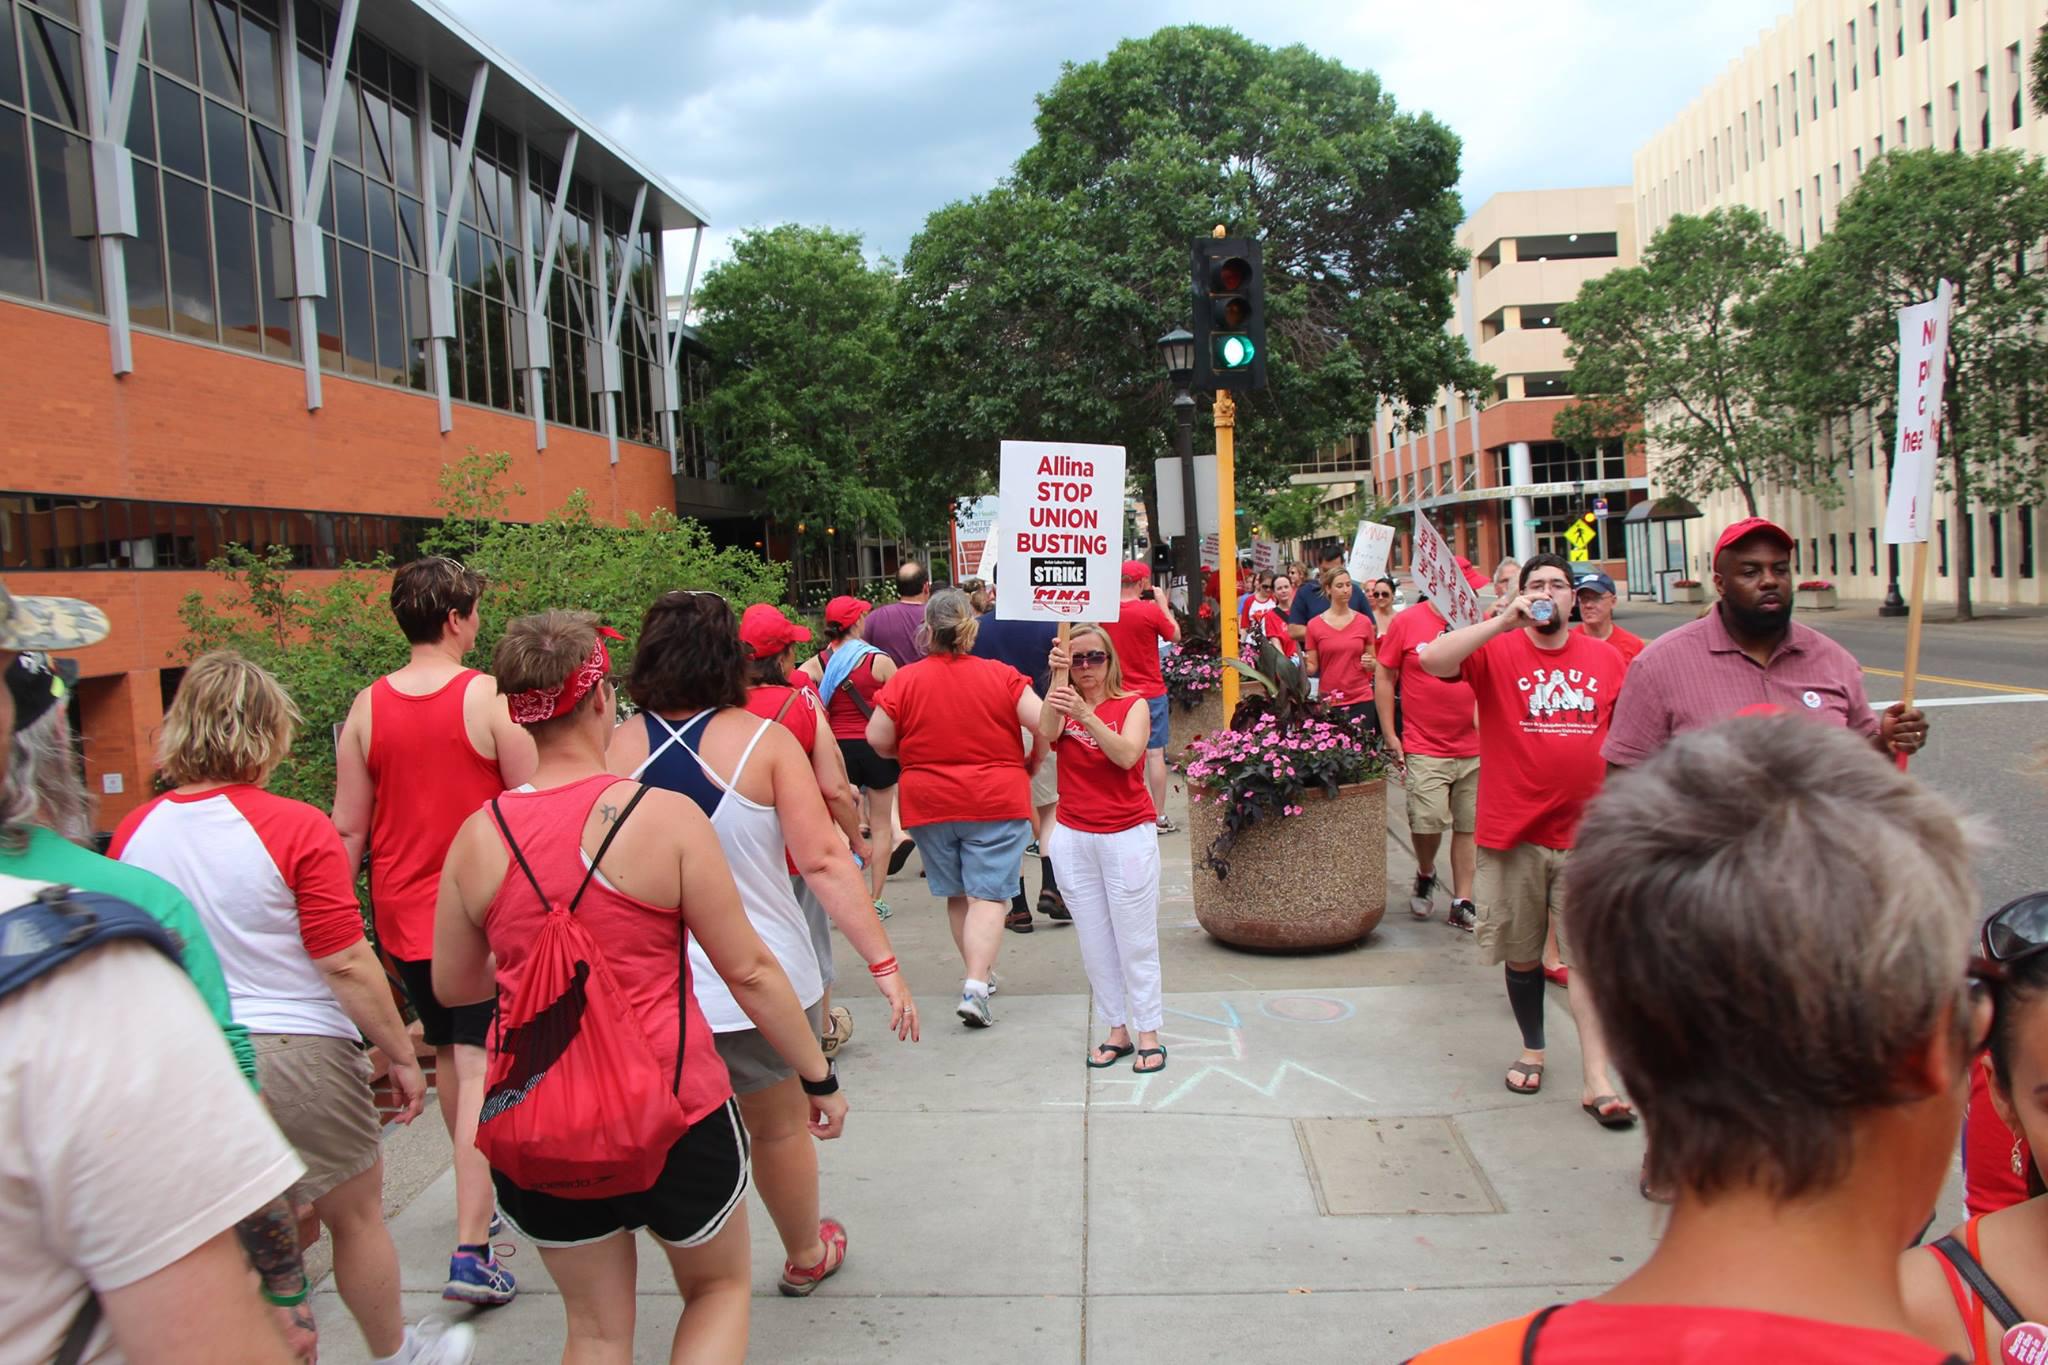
[1330, 1166]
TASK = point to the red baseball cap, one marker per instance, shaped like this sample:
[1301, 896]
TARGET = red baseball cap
[767, 632]
[1752, 526]
[1472, 575]
[844, 611]
[1136, 571]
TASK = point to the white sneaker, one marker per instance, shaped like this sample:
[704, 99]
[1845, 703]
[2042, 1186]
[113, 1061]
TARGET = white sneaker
[973, 1010]
[436, 1341]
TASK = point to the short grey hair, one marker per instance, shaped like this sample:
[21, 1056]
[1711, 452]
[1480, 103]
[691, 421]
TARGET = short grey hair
[950, 623]
[44, 787]
[1774, 920]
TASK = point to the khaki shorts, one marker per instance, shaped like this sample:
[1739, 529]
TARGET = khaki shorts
[752, 1061]
[1520, 889]
[318, 1091]
[1045, 783]
[1443, 794]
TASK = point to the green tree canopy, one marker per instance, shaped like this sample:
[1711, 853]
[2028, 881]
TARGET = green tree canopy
[801, 331]
[1677, 351]
[1032, 311]
[1977, 220]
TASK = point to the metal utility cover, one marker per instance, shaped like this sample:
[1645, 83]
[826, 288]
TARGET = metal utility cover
[1382, 1166]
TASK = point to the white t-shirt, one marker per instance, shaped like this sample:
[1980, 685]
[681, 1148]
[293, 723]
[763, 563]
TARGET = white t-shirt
[128, 1138]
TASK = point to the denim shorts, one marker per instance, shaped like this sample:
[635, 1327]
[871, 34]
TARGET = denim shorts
[978, 858]
[1157, 706]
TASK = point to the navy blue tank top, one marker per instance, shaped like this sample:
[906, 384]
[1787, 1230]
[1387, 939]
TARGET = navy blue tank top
[675, 766]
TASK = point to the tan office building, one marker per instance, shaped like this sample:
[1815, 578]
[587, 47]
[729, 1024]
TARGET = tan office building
[1788, 130]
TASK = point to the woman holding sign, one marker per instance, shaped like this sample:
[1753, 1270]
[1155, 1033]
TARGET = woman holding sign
[1103, 845]
[1340, 643]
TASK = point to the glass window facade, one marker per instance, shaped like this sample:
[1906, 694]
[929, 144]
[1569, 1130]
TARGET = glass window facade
[212, 259]
[61, 531]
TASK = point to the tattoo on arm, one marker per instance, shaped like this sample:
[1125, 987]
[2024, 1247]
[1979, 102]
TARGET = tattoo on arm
[271, 1238]
[607, 813]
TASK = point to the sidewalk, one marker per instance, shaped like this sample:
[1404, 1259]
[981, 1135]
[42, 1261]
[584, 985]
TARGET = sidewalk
[1329, 1168]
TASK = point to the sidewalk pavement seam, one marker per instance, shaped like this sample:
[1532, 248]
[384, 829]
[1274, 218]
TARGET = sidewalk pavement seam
[1087, 1102]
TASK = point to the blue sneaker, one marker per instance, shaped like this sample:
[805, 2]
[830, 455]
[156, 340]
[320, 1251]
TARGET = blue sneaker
[973, 1010]
[474, 1280]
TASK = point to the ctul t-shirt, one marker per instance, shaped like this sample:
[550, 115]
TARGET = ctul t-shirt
[1340, 658]
[1097, 796]
[1544, 715]
[1139, 627]
[1654, 1334]
[1436, 713]
[957, 740]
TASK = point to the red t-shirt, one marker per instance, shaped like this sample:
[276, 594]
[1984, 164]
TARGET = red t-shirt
[1656, 1334]
[1139, 627]
[1436, 713]
[1627, 643]
[1097, 796]
[1544, 715]
[1265, 621]
[958, 740]
[1340, 658]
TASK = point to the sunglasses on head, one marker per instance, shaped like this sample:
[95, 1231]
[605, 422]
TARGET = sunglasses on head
[1089, 658]
[2017, 930]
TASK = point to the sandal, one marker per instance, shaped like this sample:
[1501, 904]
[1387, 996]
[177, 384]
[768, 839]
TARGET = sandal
[1559, 976]
[901, 855]
[801, 1281]
[1144, 1052]
[1533, 1071]
[1610, 1111]
[1117, 1052]
[839, 1031]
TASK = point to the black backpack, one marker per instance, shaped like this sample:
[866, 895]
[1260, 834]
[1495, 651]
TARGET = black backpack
[41, 936]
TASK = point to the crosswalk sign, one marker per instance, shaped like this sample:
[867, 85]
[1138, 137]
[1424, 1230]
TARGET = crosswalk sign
[1578, 536]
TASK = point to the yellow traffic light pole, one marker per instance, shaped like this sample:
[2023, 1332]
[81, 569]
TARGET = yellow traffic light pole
[1226, 540]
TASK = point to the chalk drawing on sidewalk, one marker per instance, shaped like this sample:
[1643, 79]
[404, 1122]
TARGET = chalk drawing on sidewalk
[1219, 1053]
[1307, 1009]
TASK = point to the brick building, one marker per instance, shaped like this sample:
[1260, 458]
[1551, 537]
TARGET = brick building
[265, 268]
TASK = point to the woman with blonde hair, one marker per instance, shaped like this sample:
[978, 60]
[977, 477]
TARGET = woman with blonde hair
[278, 898]
[1104, 844]
[952, 720]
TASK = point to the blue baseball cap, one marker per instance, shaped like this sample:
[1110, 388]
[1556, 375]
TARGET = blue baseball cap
[1595, 582]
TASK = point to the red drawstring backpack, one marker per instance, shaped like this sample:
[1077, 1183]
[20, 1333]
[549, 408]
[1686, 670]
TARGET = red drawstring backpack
[575, 1103]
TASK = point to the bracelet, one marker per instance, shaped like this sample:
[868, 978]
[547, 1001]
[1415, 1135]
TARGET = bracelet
[882, 968]
[289, 1300]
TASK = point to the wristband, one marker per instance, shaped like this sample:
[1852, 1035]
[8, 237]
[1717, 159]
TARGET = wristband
[289, 1300]
[828, 1086]
[883, 968]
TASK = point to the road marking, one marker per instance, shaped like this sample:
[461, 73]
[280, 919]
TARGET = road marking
[1965, 701]
[1957, 682]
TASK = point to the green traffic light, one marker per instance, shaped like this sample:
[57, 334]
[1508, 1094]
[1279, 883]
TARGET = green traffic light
[1235, 352]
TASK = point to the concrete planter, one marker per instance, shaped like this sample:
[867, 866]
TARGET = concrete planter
[1184, 724]
[1821, 599]
[1695, 592]
[1314, 880]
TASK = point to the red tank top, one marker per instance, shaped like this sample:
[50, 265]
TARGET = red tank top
[1096, 796]
[847, 718]
[646, 945]
[427, 778]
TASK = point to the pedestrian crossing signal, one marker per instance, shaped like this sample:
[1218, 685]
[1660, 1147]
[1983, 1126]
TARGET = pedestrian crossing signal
[1230, 314]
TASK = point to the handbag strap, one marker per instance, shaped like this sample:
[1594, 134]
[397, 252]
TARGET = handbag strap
[72, 1349]
[1987, 1291]
[519, 854]
[1535, 1329]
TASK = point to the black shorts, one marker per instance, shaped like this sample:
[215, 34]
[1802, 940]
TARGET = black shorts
[703, 1181]
[867, 769]
[441, 1026]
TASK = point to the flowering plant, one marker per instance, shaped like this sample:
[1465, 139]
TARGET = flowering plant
[1816, 585]
[1281, 743]
[1192, 673]
[1685, 582]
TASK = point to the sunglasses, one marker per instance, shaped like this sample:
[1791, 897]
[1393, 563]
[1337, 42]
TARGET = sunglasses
[2015, 932]
[1381, 596]
[1089, 658]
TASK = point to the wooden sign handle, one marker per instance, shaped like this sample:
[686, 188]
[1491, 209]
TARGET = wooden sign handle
[1915, 615]
[1059, 675]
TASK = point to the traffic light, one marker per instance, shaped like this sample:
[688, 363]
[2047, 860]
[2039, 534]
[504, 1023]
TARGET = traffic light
[1230, 314]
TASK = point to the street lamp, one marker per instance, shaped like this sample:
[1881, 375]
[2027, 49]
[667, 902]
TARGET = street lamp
[1177, 349]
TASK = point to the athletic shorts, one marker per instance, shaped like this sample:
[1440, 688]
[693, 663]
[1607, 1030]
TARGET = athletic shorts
[441, 1026]
[703, 1181]
[978, 858]
[1157, 706]
[752, 1061]
[867, 769]
[1045, 783]
[1520, 890]
[1443, 794]
[318, 1092]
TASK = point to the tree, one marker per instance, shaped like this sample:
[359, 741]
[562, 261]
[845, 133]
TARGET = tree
[2040, 77]
[1032, 311]
[1676, 352]
[1977, 220]
[801, 331]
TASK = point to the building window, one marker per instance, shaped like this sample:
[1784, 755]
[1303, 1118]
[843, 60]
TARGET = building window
[1852, 554]
[1941, 535]
[2026, 542]
[1834, 555]
[1995, 523]
[1813, 85]
[1874, 569]
[1813, 552]
[1792, 77]
[1983, 107]
[1777, 120]
[1855, 66]
[1923, 32]
[2014, 83]
[50, 532]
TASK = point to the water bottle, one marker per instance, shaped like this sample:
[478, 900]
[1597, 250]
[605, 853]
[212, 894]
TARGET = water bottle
[1542, 610]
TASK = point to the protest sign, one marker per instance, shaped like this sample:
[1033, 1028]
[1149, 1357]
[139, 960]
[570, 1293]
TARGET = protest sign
[1369, 551]
[1060, 531]
[1923, 365]
[1265, 556]
[1436, 572]
[973, 525]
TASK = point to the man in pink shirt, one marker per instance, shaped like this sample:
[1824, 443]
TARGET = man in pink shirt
[1748, 651]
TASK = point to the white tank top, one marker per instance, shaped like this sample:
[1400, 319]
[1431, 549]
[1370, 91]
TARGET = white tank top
[751, 835]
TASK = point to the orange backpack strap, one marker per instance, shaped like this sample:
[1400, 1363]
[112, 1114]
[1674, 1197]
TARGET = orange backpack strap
[1504, 1343]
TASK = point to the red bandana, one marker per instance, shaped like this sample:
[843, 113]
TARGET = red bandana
[545, 703]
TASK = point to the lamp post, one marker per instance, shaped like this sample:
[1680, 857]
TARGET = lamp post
[1177, 348]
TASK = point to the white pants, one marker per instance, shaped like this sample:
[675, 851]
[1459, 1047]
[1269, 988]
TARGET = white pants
[1111, 885]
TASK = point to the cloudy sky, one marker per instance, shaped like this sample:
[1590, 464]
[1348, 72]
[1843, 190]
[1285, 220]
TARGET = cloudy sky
[868, 114]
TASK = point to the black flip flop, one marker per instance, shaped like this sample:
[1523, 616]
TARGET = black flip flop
[1144, 1052]
[1533, 1070]
[1116, 1054]
[1598, 1111]
[901, 856]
